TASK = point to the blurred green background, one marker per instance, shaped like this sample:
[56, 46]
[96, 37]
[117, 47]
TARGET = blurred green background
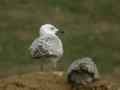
[92, 28]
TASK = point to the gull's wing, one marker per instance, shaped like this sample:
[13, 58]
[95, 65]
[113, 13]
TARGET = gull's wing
[39, 48]
[89, 65]
[46, 46]
[53, 45]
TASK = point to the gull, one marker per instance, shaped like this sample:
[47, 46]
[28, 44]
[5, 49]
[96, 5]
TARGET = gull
[82, 72]
[47, 47]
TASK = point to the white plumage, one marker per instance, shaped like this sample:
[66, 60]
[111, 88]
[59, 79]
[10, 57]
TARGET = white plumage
[47, 45]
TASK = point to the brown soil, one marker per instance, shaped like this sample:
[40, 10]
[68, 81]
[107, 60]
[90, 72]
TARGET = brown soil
[46, 81]
[34, 81]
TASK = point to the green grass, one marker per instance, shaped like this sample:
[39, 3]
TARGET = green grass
[91, 29]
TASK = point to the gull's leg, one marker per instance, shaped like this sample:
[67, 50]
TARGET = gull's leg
[54, 66]
[42, 67]
[50, 65]
[43, 64]
[54, 63]
[47, 66]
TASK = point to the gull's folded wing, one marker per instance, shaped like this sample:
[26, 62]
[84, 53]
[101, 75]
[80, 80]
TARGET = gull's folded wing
[39, 48]
[46, 46]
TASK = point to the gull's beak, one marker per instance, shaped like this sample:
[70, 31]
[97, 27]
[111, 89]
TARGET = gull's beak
[60, 31]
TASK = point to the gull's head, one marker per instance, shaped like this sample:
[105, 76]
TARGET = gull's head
[48, 29]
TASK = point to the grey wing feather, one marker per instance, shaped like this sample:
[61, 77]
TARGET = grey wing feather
[88, 65]
[38, 48]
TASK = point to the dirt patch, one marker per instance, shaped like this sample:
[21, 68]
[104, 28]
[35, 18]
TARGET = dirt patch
[47, 81]
[34, 81]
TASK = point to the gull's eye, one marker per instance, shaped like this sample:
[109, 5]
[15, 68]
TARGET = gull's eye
[52, 28]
